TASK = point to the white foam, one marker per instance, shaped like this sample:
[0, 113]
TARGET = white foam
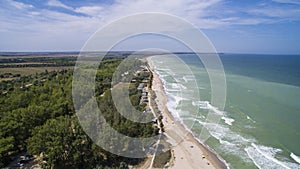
[172, 90]
[249, 127]
[160, 72]
[178, 86]
[226, 143]
[172, 103]
[268, 152]
[187, 78]
[215, 109]
[228, 121]
[251, 153]
[231, 142]
[201, 88]
[296, 158]
[221, 132]
[201, 104]
[264, 157]
[249, 118]
[207, 105]
[176, 99]
[183, 87]
[175, 86]
[170, 72]
[172, 108]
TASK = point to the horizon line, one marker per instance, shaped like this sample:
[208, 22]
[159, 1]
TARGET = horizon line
[120, 51]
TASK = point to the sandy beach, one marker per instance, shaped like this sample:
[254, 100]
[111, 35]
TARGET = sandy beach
[187, 152]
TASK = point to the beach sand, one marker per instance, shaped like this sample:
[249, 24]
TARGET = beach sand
[187, 152]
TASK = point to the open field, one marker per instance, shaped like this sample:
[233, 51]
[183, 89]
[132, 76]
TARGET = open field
[26, 63]
[31, 70]
[30, 55]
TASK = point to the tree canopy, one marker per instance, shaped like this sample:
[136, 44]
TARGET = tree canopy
[37, 116]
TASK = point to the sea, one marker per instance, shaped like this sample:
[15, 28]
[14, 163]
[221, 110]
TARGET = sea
[260, 124]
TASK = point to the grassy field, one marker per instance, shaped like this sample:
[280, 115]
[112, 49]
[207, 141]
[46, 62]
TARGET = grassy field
[26, 63]
[31, 70]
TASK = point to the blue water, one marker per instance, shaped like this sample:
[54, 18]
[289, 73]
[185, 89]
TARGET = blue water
[260, 125]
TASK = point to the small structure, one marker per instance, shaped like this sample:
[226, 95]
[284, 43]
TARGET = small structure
[154, 121]
[145, 89]
[141, 86]
[28, 85]
[144, 100]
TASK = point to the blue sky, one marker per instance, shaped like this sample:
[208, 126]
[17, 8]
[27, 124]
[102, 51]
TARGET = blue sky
[246, 26]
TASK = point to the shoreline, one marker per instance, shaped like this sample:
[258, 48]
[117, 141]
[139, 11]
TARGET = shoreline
[187, 150]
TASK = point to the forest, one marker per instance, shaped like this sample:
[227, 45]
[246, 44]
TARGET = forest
[37, 118]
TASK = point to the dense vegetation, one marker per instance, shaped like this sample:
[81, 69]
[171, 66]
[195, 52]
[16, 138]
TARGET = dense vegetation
[37, 117]
[37, 62]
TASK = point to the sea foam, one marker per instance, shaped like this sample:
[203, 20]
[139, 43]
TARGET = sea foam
[264, 157]
[188, 78]
[228, 121]
[296, 158]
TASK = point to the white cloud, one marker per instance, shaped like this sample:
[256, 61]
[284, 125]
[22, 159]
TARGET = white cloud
[192, 10]
[297, 2]
[278, 12]
[57, 30]
[57, 3]
[90, 10]
[19, 5]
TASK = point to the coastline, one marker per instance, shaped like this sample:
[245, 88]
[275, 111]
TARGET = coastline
[187, 150]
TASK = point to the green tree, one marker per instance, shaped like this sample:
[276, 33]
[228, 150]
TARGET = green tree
[64, 144]
[6, 144]
[53, 139]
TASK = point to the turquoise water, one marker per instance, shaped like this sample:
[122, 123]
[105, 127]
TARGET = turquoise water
[260, 125]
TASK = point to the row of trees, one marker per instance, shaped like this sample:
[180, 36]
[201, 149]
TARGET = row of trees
[37, 62]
